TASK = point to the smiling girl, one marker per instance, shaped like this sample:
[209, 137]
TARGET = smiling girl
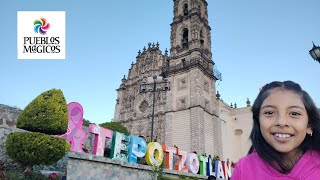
[285, 135]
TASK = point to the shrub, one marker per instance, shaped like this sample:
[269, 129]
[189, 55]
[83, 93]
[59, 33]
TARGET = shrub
[86, 122]
[34, 148]
[115, 126]
[47, 113]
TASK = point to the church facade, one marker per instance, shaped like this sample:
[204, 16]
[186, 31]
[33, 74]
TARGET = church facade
[174, 94]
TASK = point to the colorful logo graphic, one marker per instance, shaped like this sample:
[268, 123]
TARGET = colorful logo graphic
[41, 26]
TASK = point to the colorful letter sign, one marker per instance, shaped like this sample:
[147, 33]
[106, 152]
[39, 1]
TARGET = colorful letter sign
[182, 158]
[75, 135]
[137, 148]
[193, 163]
[100, 138]
[154, 154]
[119, 149]
[128, 148]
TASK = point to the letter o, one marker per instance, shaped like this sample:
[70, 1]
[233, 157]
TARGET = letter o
[192, 163]
[154, 154]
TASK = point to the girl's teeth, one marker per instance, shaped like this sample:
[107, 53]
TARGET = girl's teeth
[282, 135]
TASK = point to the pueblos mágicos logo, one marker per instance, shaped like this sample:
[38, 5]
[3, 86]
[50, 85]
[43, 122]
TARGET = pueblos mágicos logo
[41, 34]
[41, 26]
[41, 44]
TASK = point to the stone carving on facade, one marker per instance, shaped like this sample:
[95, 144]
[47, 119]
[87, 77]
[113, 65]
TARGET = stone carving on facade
[182, 83]
[143, 106]
[206, 85]
[182, 103]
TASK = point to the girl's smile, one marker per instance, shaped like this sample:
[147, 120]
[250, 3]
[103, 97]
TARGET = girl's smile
[282, 137]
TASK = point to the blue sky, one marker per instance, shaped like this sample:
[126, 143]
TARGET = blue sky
[253, 43]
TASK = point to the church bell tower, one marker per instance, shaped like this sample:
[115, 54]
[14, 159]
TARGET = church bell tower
[192, 121]
[190, 30]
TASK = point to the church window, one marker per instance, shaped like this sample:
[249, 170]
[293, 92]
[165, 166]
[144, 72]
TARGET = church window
[185, 38]
[185, 10]
[183, 62]
[143, 106]
[201, 37]
[238, 132]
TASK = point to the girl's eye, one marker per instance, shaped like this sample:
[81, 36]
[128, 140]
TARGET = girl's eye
[268, 113]
[295, 114]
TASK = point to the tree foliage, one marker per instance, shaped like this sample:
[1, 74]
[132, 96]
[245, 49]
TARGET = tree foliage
[115, 126]
[30, 148]
[47, 113]
[86, 122]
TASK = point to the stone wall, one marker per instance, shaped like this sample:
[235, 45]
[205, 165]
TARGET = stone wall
[8, 115]
[8, 163]
[87, 166]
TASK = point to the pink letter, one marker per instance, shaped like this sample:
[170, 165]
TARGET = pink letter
[100, 138]
[75, 135]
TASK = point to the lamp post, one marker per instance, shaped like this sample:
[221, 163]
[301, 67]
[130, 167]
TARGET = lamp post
[154, 84]
[315, 53]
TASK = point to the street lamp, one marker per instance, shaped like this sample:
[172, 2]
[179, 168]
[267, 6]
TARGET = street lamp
[154, 84]
[315, 53]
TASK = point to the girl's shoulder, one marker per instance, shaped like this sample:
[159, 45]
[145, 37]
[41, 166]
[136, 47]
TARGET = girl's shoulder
[254, 167]
[308, 167]
[313, 156]
[251, 159]
[251, 166]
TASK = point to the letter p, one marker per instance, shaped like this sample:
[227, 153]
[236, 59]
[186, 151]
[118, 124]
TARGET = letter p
[137, 148]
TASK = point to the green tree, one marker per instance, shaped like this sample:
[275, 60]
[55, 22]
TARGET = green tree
[45, 116]
[115, 126]
[47, 113]
[86, 122]
[45, 150]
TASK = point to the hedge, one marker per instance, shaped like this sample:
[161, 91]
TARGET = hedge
[47, 113]
[34, 148]
[115, 126]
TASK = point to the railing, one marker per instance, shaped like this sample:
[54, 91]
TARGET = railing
[187, 64]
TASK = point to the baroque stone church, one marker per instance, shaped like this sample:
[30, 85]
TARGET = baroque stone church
[174, 94]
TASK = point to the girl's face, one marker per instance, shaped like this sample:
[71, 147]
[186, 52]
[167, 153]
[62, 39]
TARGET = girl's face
[283, 120]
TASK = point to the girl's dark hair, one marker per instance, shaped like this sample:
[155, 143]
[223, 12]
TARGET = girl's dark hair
[259, 144]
